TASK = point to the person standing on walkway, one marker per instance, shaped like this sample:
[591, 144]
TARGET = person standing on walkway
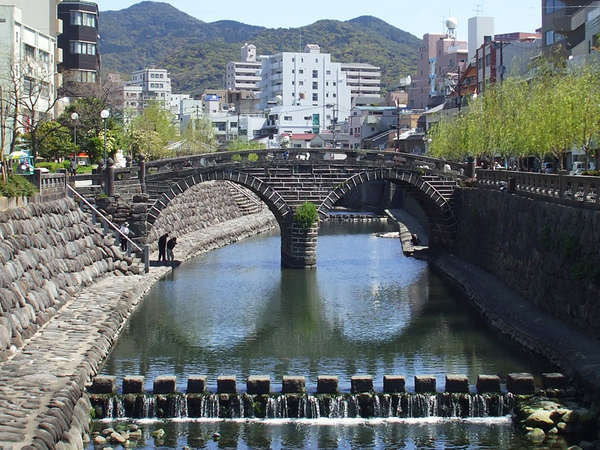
[170, 246]
[162, 247]
[123, 236]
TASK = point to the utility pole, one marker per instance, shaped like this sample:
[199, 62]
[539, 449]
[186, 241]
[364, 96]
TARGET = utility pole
[398, 125]
[458, 93]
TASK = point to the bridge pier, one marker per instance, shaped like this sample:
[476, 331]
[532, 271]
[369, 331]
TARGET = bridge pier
[299, 246]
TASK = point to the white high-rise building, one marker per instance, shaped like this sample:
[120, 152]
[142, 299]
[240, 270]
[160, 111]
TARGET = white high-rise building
[363, 79]
[155, 83]
[479, 27]
[245, 74]
[306, 80]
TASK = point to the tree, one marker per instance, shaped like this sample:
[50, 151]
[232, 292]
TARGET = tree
[242, 144]
[57, 142]
[199, 136]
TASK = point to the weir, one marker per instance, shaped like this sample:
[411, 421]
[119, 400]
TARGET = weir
[295, 402]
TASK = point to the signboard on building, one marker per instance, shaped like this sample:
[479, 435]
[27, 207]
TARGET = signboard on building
[212, 98]
[316, 122]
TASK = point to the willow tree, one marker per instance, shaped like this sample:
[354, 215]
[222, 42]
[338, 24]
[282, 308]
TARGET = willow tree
[585, 89]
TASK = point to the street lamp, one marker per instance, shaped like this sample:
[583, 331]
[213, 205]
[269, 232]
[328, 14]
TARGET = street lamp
[105, 114]
[75, 118]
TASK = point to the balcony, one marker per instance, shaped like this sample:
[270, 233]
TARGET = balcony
[567, 19]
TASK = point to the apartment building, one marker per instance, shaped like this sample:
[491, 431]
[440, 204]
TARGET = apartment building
[307, 80]
[363, 79]
[78, 42]
[245, 74]
[441, 58]
[27, 65]
[572, 25]
[155, 84]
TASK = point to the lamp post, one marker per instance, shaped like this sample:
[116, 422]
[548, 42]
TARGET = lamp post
[75, 118]
[105, 114]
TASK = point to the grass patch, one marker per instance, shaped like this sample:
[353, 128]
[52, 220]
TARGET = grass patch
[17, 186]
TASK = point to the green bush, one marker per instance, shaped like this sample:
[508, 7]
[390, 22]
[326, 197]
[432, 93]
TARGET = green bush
[591, 173]
[237, 157]
[252, 157]
[306, 215]
[17, 186]
[53, 166]
[84, 169]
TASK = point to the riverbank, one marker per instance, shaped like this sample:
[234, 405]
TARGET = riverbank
[42, 398]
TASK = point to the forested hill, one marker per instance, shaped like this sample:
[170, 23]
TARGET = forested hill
[196, 53]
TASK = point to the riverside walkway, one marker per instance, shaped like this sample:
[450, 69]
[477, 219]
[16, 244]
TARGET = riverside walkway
[41, 386]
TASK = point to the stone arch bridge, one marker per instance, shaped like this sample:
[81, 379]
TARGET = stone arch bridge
[285, 179]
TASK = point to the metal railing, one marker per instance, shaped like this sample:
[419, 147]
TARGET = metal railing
[575, 189]
[107, 224]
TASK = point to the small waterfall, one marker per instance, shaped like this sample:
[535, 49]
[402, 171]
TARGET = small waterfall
[149, 406]
[119, 408]
[279, 406]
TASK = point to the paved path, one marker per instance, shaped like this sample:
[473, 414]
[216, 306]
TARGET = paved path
[574, 352]
[58, 360]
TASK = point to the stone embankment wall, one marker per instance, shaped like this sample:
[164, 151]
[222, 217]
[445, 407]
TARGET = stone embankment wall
[546, 251]
[201, 206]
[48, 252]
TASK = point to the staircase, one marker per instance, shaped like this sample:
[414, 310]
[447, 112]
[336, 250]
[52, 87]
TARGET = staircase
[445, 187]
[246, 200]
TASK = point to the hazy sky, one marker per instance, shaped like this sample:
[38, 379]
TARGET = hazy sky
[416, 17]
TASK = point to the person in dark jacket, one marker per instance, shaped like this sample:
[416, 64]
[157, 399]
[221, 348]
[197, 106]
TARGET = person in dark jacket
[162, 246]
[170, 246]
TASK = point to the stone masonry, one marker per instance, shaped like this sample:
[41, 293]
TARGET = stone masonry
[546, 251]
[48, 253]
[42, 398]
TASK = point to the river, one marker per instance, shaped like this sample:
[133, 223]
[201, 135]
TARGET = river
[367, 309]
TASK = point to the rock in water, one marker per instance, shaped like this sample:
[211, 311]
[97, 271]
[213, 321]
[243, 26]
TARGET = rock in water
[540, 419]
[537, 436]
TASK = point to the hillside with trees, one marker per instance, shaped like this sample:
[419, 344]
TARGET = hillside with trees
[196, 53]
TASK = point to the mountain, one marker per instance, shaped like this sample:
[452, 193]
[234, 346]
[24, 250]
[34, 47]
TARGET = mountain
[196, 52]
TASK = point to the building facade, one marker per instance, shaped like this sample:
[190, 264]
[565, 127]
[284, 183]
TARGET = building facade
[308, 80]
[155, 84]
[363, 79]
[441, 58]
[245, 74]
[80, 66]
[27, 73]
[479, 27]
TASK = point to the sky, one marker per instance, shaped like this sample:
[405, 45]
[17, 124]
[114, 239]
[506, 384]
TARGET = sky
[416, 17]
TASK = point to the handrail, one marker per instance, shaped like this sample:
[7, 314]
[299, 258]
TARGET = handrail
[143, 251]
[245, 194]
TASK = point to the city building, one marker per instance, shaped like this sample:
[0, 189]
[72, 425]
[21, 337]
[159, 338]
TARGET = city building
[306, 81]
[372, 123]
[479, 27]
[155, 84]
[441, 58]
[571, 25]
[363, 79]
[80, 66]
[497, 59]
[27, 71]
[40, 15]
[245, 74]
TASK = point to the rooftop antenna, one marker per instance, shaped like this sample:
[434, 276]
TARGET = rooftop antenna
[479, 8]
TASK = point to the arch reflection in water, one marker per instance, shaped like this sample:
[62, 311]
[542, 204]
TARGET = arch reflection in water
[366, 310]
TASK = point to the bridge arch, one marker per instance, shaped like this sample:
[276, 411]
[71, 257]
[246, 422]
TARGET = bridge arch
[274, 201]
[437, 207]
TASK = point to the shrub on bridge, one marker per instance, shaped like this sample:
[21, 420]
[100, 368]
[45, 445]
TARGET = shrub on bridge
[252, 157]
[237, 157]
[306, 215]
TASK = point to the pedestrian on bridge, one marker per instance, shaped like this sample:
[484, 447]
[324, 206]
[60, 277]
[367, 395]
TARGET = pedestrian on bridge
[162, 247]
[123, 236]
[170, 246]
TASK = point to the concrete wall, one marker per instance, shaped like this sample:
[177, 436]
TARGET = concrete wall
[547, 252]
[48, 252]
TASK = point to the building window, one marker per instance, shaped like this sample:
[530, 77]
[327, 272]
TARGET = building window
[29, 51]
[83, 48]
[315, 85]
[44, 56]
[80, 18]
[300, 70]
[328, 72]
[315, 97]
[233, 125]
[488, 60]
[315, 74]
[300, 83]
[554, 5]
[549, 37]
[307, 117]
[85, 76]
[287, 118]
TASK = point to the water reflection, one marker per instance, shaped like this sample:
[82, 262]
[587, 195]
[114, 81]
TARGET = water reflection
[366, 309]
